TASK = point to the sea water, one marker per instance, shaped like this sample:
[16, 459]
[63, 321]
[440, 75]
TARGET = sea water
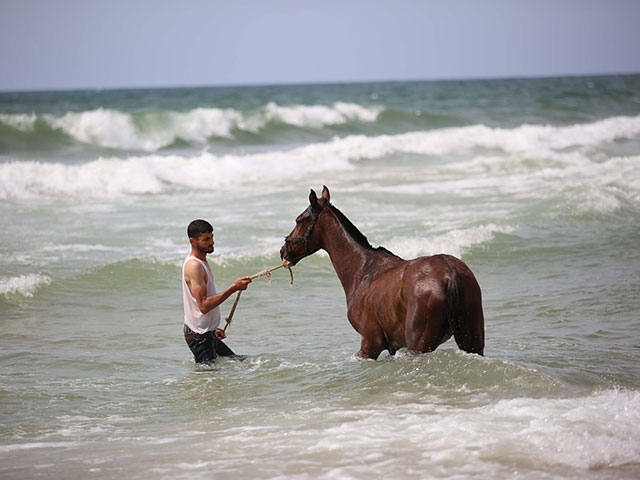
[534, 183]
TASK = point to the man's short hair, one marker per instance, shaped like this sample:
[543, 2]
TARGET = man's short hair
[198, 227]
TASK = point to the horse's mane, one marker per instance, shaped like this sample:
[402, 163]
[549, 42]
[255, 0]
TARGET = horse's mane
[356, 234]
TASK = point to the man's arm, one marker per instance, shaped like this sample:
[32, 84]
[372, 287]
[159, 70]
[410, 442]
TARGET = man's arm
[195, 277]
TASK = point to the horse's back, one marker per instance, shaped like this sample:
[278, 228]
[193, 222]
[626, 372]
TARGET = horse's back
[440, 268]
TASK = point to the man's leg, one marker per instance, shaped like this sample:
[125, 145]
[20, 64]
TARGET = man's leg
[201, 345]
[223, 350]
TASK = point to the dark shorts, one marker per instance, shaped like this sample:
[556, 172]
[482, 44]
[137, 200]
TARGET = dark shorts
[206, 346]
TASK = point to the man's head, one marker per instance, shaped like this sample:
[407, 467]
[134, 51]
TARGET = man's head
[200, 233]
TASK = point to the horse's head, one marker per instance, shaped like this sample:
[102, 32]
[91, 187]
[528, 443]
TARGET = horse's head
[304, 239]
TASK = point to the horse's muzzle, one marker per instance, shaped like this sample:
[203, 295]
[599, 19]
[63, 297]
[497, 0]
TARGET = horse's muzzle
[283, 253]
[287, 262]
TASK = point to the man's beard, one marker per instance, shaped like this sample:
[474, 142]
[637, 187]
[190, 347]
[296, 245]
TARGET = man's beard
[205, 250]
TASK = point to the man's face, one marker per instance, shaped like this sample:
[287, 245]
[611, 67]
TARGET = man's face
[204, 243]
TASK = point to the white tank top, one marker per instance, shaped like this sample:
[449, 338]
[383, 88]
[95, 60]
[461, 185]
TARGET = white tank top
[193, 318]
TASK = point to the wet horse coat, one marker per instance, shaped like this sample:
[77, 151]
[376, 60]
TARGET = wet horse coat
[391, 302]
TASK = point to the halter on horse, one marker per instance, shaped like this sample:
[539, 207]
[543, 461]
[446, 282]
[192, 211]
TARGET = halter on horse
[304, 239]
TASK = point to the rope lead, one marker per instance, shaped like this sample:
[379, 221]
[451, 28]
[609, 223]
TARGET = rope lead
[266, 273]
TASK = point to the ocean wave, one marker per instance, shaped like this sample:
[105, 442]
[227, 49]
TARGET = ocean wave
[13, 447]
[454, 242]
[526, 139]
[152, 131]
[592, 432]
[24, 122]
[525, 158]
[25, 285]
[154, 174]
[472, 439]
[318, 116]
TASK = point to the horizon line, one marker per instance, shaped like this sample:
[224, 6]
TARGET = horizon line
[319, 83]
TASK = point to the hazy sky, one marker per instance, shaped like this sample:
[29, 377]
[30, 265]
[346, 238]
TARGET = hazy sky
[52, 44]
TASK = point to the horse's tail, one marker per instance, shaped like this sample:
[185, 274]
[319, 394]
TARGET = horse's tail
[464, 311]
[455, 299]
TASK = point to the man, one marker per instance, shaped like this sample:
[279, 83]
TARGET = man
[201, 301]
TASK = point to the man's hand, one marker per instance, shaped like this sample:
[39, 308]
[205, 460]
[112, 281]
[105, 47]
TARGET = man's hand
[220, 334]
[241, 283]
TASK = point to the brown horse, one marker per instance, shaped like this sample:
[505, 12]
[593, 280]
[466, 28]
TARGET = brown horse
[391, 302]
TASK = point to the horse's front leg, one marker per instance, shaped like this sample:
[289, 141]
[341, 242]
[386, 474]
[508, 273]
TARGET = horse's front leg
[369, 349]
[373, 342]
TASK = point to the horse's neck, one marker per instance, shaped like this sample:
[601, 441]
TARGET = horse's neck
[348, 256]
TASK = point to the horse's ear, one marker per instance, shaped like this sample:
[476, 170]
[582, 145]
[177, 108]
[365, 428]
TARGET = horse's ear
[313, 198]
[325, 194]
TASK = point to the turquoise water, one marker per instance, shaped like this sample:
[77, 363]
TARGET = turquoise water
[534, 183]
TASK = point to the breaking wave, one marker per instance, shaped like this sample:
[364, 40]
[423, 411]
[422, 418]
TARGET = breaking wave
[25, 285]
[526, 157]
[152, 131]
[456, 242]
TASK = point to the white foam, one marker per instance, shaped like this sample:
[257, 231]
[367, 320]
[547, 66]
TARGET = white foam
[155, 173]
[530, 139]
[25, 285]
[584, 433]
[454, 242]
[151, 132]
[24, 122]
[588, 185]
[76, 247]
[202, 123]
[606, 185]
[317, 116]
[34, 445]
[103, 127]
[155, 130]
[495, 439]
[596, 431]
[529, 162]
